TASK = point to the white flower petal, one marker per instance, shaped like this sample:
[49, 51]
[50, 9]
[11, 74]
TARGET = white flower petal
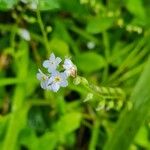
[43, 78]
[52, 57]
[68, 64]
[55, 87]
[58, 60]
[46, 63]
[52, 63]
[44, 84]
[39, 76]
[50, 80]
[49, 87]
[70, 68]
[67, 72]
[64, 83]
[63, 75]
[25, 34]
[55, 73]
[51, 69]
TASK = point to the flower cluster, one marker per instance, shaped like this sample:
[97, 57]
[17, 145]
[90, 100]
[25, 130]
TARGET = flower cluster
[56, 79]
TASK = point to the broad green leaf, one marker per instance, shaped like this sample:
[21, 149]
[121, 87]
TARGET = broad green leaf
[3, 125]
[59, 46]
[142, 137]
[42, 4]
[47, 141]
[48, 4]
[18, 109]
[130, 121]
[7, 4]
[89, 62]
[99, 24]
[73, 6]
[32, 81]
[136, 8]
[28, 138]
[70, 122]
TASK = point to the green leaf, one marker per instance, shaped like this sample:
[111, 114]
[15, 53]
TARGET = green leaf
[69, 122]
[3, 125]
[74, 7]
[130, 121]
[136, 8]
[99, 24]
[32, 81]
[48, 4]
[28, 138]
[59, 46]
[31, 141]
[48, 141]
[19, 109]
[7, 4]
[89, 62]
[142, 137]
[43, 5]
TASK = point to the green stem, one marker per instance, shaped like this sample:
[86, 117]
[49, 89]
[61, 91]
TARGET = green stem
[10, 81]
[14, 124]
[107, 54]
[130, 122]
[17, 116]
[103, 92]
[61, 104]
[127, 61]
[84, 34]
[39, 19]
[94, 137]
[131, 73]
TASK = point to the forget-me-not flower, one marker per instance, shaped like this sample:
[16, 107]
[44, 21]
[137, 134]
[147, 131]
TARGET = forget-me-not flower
[58, 74]
[70, 68]
[43, 78]
[57, 80]
[52, 63]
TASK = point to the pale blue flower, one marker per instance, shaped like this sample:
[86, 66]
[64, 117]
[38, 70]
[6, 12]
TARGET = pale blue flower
[52, 63]
[43, 78]
[57, 80]
[70, 68]
[25, 34]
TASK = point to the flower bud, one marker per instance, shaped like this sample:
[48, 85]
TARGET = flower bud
[89, 97]
[101, 105]
[77, 80]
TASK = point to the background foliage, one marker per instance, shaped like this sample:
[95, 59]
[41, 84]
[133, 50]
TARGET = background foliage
[109, 43]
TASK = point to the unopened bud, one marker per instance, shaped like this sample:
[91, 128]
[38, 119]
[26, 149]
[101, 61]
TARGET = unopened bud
[101, 105]
[119, 105]
[77, 80]
[84, 81]
[89, 97]
[110, 105]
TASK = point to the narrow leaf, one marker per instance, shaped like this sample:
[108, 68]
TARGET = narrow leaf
[130, 121]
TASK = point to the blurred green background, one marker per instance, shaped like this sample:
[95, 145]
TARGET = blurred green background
[108, 40]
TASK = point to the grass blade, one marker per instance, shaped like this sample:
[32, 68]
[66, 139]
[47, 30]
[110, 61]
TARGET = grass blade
[130, 121]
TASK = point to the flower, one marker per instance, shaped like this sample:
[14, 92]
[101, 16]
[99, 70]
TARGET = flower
[57, 80]
[52, 63]
[25, 34]
[70, 68]
[43, 78]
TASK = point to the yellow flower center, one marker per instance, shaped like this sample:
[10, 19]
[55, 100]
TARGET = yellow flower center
[57, 79]
[51, 63]
[44, 78]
